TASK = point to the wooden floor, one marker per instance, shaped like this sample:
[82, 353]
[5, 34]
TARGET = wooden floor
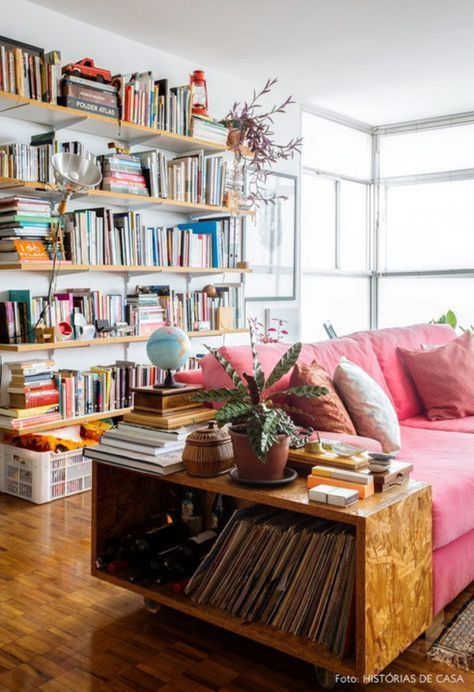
[60, 629]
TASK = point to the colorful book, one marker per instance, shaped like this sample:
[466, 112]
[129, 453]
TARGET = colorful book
[364, 490]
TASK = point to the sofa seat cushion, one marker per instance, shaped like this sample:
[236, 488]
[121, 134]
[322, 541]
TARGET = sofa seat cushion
[327, 353]
[446, 460]
[461, 425]
[385, 343]
[453, 570]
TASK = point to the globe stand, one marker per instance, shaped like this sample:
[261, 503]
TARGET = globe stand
[169, 382]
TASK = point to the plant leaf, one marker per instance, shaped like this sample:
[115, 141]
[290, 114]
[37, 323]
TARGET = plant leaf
[232, 412]
[253, 389]
[286, 362]
[220, 394]
[257, 368]
[230, 370]
[306, 390]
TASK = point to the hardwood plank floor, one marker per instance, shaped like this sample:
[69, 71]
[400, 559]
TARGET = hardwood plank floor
[60, 629]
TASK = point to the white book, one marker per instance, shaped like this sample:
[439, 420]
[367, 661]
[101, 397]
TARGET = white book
[144, 448]
[142, 431]
[101, 455]
[362, 477]
[160, 460]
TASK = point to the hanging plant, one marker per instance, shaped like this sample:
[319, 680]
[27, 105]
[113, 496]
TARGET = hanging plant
[251, 138]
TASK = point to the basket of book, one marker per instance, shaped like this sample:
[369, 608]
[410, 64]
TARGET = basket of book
[43, 476]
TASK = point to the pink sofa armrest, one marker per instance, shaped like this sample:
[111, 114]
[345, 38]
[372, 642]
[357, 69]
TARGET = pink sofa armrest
[356, 440]
[189, 376]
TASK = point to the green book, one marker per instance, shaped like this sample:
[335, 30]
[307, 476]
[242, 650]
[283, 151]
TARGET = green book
[26, 219]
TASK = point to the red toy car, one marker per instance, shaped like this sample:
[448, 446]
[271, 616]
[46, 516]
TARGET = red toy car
[86, 68]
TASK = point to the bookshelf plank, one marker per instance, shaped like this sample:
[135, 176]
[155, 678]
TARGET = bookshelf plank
[53, 425]
[117, 268]
[52, 115]
[107, 341]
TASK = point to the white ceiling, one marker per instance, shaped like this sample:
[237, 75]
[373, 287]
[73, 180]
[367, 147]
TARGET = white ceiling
[374, 60]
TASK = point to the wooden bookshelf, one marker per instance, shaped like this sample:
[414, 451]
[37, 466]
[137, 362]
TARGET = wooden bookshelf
[118, 199]
[54, 116]
[108, 341]
[79, 420]
[64, 268]
[393, 577]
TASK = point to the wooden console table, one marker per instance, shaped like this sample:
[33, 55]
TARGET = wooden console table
[393, 560]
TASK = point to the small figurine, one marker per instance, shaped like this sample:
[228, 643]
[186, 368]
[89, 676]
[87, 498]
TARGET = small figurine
[86, 69]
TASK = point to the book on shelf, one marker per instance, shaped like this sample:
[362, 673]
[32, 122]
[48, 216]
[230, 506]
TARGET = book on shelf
[22, 413]
[142, 433]
[32, 162]
[365, 490]
[27, 71]
[197, 179]
[23, 425]
[100, 236]
[296, 574]
[207, 128]
[123, 173]
[22, 251]
[97, 93]
[165, 400]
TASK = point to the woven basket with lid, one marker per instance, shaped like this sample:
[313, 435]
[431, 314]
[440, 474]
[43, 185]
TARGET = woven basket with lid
[208, 451]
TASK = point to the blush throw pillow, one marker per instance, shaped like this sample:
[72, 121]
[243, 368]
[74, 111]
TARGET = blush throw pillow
[369, 407]
[321, 413]
[444, 378]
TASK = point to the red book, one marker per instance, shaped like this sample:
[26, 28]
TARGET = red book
[46, 397]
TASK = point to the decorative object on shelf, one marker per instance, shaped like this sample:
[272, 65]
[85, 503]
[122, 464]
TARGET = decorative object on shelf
[86, 69]
[64, 331]
[120, 147]
[198, 86]
[169, 349]
[123, 329]
[46, 335]
[225, 319]
[261, 429]
[253, 146]
[272, 243]
[210, 290]
[103, 327]
[208, 451]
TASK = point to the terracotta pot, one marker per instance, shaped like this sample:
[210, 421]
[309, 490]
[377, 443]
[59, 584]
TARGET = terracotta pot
[235, 137]
[249, 465]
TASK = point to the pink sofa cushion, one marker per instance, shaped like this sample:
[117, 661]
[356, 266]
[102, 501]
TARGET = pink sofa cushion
[460, 425]
[327, 353]
[453, 570]
[444, 377]
[189, 376]
[446, 460]
[385, 343]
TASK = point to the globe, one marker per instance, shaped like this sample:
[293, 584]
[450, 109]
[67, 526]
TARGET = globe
[168, 348]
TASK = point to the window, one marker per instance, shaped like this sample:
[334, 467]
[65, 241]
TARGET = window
[335, 212]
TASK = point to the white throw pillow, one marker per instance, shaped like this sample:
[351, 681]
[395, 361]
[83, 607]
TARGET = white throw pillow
[369, 407]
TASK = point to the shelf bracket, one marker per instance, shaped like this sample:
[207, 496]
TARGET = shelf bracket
[69, 123]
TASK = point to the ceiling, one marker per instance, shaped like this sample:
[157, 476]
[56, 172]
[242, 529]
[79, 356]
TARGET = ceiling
[377, 61]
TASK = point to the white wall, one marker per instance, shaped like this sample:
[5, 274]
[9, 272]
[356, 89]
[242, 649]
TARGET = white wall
[30, 23]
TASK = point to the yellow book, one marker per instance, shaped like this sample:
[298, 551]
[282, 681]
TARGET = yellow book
[29, 412]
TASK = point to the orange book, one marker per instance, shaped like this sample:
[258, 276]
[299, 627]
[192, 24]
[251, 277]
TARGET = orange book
[364, 491]
[31, 251]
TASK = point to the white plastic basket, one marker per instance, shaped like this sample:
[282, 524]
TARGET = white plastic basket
[43, 476]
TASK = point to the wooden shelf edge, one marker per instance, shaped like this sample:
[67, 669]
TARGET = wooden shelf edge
[142, 268]
[293, 645]
[110, 341]
[15, 100]
[53, 425]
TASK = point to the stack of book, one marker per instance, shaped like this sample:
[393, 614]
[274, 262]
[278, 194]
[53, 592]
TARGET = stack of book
[32, 162]
[25, 230]
[197, 179]
[205, 127]
[143, 100]
[90, 96]
[123, 173]
[297, 574]
[144, 313]
[132, 446]
[33, 395]
[26, 70]
[167, 408]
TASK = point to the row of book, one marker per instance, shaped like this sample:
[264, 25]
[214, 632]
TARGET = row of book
[32, 162]
[27, 71]
[100, 236]
[40, 394]
[295, 573]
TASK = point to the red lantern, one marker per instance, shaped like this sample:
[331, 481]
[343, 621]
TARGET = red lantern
[198, 86]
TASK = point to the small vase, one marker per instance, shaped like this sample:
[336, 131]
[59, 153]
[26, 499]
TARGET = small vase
[249, 465]
[235, 137]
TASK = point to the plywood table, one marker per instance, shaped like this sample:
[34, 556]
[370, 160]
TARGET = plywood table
[393, 603]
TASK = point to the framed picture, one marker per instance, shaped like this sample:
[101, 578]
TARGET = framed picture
[270, 241]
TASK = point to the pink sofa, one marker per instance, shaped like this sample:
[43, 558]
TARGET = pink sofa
[442, 452]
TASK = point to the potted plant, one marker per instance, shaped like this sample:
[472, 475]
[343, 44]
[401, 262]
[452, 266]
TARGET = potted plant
[260, 427]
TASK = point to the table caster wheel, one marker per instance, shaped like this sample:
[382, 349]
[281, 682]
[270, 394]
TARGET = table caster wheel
[152, 606]
[326, 678]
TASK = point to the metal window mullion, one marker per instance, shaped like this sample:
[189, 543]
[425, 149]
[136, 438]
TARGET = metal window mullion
[338, 239]
[320, 172]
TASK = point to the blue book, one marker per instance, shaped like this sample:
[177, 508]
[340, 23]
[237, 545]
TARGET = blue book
[211, 227]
